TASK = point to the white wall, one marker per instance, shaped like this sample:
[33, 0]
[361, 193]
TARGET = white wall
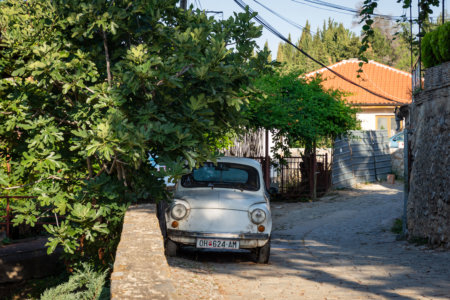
[367, 116]
[367, 120]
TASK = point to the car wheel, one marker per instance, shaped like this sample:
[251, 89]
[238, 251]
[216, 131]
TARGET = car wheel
[170, 248]
[263, 254]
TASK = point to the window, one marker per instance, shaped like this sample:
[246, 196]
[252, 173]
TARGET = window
[387, 123]
[223, 175]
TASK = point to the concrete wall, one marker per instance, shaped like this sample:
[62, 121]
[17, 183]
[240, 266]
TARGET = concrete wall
[429, 196]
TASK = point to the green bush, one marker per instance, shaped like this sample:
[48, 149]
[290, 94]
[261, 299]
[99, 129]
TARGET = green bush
[444, 41]
[397, 227]
[428, 58]
[85, 283]
[436, 45]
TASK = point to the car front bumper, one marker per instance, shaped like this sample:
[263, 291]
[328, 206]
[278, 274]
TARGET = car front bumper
[246, 240]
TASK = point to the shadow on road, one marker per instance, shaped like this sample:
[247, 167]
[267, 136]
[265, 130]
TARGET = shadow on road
[330, 250]
[213, 256]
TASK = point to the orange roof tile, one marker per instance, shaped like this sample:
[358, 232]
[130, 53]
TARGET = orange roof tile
[379, 78]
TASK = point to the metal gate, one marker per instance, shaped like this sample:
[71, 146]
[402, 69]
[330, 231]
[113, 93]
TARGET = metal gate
[291, 177]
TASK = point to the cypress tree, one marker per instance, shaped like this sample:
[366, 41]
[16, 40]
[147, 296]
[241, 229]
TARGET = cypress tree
[280, 57]
[266, 48]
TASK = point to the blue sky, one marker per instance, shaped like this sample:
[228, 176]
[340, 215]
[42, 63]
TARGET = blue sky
[299, 12]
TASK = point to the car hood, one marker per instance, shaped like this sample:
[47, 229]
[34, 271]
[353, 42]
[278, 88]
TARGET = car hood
[220, 198]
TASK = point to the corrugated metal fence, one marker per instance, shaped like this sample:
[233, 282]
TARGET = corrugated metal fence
[363, 156]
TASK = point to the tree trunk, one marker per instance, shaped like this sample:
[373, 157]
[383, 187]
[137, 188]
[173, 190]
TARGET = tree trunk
[108, 61]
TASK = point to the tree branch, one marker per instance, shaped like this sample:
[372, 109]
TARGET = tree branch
[34, 182]
[108, 62]
[88, 161]
[123, 175]
[179, 73]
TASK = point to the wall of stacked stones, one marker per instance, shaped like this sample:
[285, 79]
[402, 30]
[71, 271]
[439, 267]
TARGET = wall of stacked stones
[429, 196]
[397, 158]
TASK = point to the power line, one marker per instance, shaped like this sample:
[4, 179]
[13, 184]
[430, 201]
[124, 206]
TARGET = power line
[284, 18]
[332, 10]
[269, 27]
[214, 12]
[343, 9]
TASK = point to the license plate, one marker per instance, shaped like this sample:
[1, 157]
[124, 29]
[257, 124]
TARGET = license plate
[217, 244]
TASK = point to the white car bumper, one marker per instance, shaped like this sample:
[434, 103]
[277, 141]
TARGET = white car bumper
[246, 240]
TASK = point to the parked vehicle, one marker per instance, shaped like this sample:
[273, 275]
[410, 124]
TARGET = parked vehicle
[223, 205]
[397, 140]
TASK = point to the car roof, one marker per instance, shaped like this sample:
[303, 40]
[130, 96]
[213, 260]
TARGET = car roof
[240, 160]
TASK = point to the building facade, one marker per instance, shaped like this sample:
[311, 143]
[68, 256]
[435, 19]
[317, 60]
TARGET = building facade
[375, 112]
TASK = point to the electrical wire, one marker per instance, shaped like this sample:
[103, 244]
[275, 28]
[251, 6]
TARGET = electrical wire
[284, 18]
[332, 10]
[269, 27]
[346, 9]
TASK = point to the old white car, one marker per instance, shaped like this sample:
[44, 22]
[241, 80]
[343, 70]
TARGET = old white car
[223, 205]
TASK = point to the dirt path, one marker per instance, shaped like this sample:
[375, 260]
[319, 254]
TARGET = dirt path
[338, 248]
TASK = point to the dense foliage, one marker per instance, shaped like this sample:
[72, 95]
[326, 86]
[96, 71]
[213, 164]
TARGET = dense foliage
[299, 111]
[334, 43]
[85, 283]
[89, 88]
[367, 18]
[436, 46]
[330, 44]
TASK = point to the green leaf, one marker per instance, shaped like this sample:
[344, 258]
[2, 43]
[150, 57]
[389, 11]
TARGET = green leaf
[18, 72]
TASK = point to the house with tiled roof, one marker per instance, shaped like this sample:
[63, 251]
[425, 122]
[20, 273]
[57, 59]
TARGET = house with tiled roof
[391, 87]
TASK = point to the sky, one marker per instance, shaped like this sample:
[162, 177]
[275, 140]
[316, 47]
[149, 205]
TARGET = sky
[299, 11]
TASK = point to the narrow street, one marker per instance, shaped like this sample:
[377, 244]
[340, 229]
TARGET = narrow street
[340, 247]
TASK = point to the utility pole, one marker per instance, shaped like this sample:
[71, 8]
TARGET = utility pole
[406, 179]
[267, 161]
[183, 4]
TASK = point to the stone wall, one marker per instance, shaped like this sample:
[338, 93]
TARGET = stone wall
[429, 195]
[140, 269]
[397, 158]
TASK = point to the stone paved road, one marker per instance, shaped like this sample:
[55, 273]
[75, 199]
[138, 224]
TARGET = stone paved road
[338, 248]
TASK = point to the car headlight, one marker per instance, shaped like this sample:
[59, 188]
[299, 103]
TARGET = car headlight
[178, 211]
[258, 216]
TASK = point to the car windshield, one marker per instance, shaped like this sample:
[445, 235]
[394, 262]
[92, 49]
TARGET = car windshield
[223, 175]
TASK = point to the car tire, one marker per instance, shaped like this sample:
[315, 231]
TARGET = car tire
[170, 248]
[263, 254]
